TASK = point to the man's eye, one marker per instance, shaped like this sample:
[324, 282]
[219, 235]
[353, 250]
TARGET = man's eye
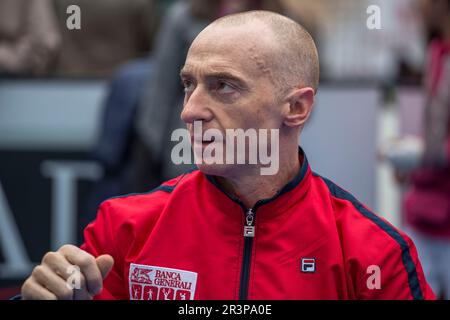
[224, 87]
[188, 86]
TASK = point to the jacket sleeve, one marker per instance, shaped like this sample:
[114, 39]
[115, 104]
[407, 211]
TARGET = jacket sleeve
[393, 273]
[99, 240]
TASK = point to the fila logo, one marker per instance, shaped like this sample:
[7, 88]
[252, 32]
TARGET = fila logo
[308, 265]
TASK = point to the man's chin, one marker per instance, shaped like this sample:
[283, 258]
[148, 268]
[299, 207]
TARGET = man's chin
[225, 170]
[222, 170]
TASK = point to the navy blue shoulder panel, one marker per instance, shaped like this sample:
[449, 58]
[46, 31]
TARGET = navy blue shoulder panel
[408, 262]
[167, 189]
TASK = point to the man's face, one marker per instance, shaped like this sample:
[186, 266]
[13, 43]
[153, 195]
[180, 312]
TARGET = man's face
[228, 82]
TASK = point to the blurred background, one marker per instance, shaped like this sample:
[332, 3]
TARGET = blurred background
[90, 92]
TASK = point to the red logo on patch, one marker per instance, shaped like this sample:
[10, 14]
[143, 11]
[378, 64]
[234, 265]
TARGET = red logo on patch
[136, 291]
[141, 275]
[183, 295]
[150, 293]
[165, 293]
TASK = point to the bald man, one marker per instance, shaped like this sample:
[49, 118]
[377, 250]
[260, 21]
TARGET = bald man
[226, 230]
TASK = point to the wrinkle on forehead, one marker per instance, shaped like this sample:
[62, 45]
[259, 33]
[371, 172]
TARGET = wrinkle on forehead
[235, 46]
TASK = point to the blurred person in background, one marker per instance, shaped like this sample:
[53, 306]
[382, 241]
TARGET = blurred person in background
[112, 33]
[427, 202]
[114, 42]
[29, 37]
[161, 103]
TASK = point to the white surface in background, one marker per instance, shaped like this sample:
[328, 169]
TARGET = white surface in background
[340, 139]
[410, 102]
[349, 50]
[397, 121]
[55, 115]
[388, 191]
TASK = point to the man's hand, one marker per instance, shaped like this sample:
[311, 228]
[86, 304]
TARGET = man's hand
[48, 280]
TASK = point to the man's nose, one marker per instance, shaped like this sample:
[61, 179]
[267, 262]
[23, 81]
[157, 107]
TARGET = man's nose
[196, 107]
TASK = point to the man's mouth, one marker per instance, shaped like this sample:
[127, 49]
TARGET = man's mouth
[212, 139]
[202, 141]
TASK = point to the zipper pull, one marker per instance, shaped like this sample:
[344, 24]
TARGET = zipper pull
[249, 228]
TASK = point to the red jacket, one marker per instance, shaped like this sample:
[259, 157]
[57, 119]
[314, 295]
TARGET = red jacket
[313, 240]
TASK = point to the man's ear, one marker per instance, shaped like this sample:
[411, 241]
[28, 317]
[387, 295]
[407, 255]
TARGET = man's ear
[298, 107]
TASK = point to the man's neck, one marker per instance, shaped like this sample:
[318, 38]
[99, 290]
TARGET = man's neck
[253, 187]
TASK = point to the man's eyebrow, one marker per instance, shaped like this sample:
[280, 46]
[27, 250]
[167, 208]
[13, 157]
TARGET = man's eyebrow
[224, 75]
[185, 73]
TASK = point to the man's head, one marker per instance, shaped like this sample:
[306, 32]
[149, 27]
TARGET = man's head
[252, 70]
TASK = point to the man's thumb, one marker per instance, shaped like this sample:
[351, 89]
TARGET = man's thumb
[105, 264]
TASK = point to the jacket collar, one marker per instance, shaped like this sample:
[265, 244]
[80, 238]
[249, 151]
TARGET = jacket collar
[287, 196]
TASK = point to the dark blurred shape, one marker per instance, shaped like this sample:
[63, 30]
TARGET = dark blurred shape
[408, 75]
[427, 203]
[435, 16]
[115, 32]
[117, 139]
[29, 37]
[116, 132]
[112, 32]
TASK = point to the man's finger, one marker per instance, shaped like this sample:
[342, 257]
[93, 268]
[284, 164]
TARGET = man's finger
[105, 264]
[31, 290]
[87, 265]
[47, 278]
[58, 263]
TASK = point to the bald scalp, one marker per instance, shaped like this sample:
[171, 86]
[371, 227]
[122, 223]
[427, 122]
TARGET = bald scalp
[295, 61]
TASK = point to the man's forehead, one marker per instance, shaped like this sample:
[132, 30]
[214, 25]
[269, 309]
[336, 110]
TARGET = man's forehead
[214, 64]
[234, 37]
[230, 48]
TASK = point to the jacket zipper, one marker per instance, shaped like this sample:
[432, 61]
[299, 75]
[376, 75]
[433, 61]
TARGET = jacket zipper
[249, 234]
